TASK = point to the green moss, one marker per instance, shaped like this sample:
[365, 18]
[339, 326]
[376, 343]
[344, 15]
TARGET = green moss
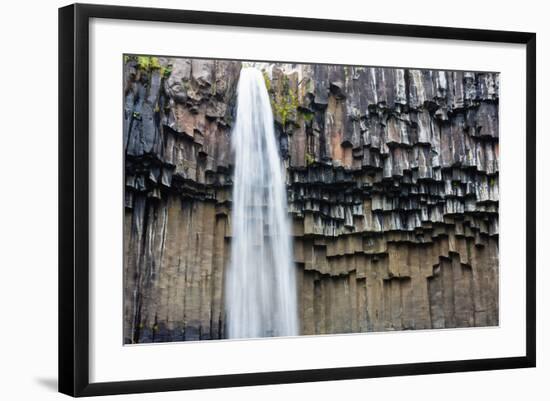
[154, 63]
[310, 159]
[285, 105]
[307, 115]
[294, 99]
[166, 71]
[267, 80]
[143, 62]
[286, 82]
[147, 63]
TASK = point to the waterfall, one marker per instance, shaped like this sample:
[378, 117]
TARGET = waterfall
[261, 297]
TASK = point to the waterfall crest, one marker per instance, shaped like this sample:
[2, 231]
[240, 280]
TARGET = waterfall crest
[260, 294]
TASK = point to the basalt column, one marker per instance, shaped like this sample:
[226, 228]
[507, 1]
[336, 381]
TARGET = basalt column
[391, 181]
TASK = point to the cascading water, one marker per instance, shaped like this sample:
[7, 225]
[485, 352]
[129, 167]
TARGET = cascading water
[261, 297]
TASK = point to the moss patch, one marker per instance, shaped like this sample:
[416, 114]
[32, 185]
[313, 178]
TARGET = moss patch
[307, 115]
[147, 63]
[267, 80]
[285, 104]
[309, 159]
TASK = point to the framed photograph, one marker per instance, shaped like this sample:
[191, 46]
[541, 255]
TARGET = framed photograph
[250, 199]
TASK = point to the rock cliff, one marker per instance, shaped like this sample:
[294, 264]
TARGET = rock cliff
[392, 178]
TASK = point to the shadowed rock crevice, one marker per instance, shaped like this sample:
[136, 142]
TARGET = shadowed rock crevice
[392, 184]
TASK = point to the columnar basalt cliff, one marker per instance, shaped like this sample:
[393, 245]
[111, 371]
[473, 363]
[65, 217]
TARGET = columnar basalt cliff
[392, 184]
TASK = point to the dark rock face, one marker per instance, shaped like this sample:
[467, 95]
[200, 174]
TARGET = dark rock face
[392, 184]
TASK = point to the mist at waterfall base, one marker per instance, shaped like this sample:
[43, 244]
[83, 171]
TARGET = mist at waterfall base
[260, 296]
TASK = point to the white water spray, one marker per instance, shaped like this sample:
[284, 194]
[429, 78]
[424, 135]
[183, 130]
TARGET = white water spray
[261, 297]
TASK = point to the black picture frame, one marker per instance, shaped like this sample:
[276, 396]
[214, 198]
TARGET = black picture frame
[74, 201]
